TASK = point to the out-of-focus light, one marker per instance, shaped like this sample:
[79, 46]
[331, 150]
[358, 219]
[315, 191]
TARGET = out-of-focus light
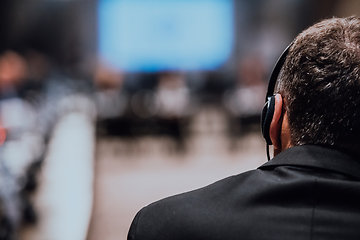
[154, 35]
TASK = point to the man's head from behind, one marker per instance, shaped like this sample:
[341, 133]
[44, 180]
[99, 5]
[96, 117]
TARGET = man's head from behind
[320, 85]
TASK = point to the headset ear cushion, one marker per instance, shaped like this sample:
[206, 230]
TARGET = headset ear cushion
[266, 118]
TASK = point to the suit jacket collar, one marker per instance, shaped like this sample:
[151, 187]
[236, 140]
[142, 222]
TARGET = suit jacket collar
[317, 157]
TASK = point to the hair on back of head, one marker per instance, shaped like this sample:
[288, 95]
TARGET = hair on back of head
[320, 84]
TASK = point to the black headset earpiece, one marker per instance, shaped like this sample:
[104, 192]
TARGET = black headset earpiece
[266, 118]
[269, 107]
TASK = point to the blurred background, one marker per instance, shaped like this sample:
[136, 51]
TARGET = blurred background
[108, 105]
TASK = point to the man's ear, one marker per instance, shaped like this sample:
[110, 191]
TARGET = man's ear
[276, 123]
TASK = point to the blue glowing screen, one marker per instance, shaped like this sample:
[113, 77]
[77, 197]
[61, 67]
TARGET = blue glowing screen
[155, 35]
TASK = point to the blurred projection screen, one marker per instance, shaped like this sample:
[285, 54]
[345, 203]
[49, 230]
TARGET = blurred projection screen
[157, 35]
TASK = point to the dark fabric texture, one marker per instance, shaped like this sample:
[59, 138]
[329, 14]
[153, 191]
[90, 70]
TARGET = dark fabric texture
[306, 192]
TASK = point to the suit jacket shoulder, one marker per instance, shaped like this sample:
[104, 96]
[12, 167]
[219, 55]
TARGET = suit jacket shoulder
[286, 198]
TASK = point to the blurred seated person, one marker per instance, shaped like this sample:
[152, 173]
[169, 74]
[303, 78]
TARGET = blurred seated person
[13, 70]
[173, 96]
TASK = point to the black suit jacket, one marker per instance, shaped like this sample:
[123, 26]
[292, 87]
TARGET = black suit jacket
[306, 192]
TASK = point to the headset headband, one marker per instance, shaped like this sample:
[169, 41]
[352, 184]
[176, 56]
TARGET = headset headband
[276, 71]
[268, 110]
